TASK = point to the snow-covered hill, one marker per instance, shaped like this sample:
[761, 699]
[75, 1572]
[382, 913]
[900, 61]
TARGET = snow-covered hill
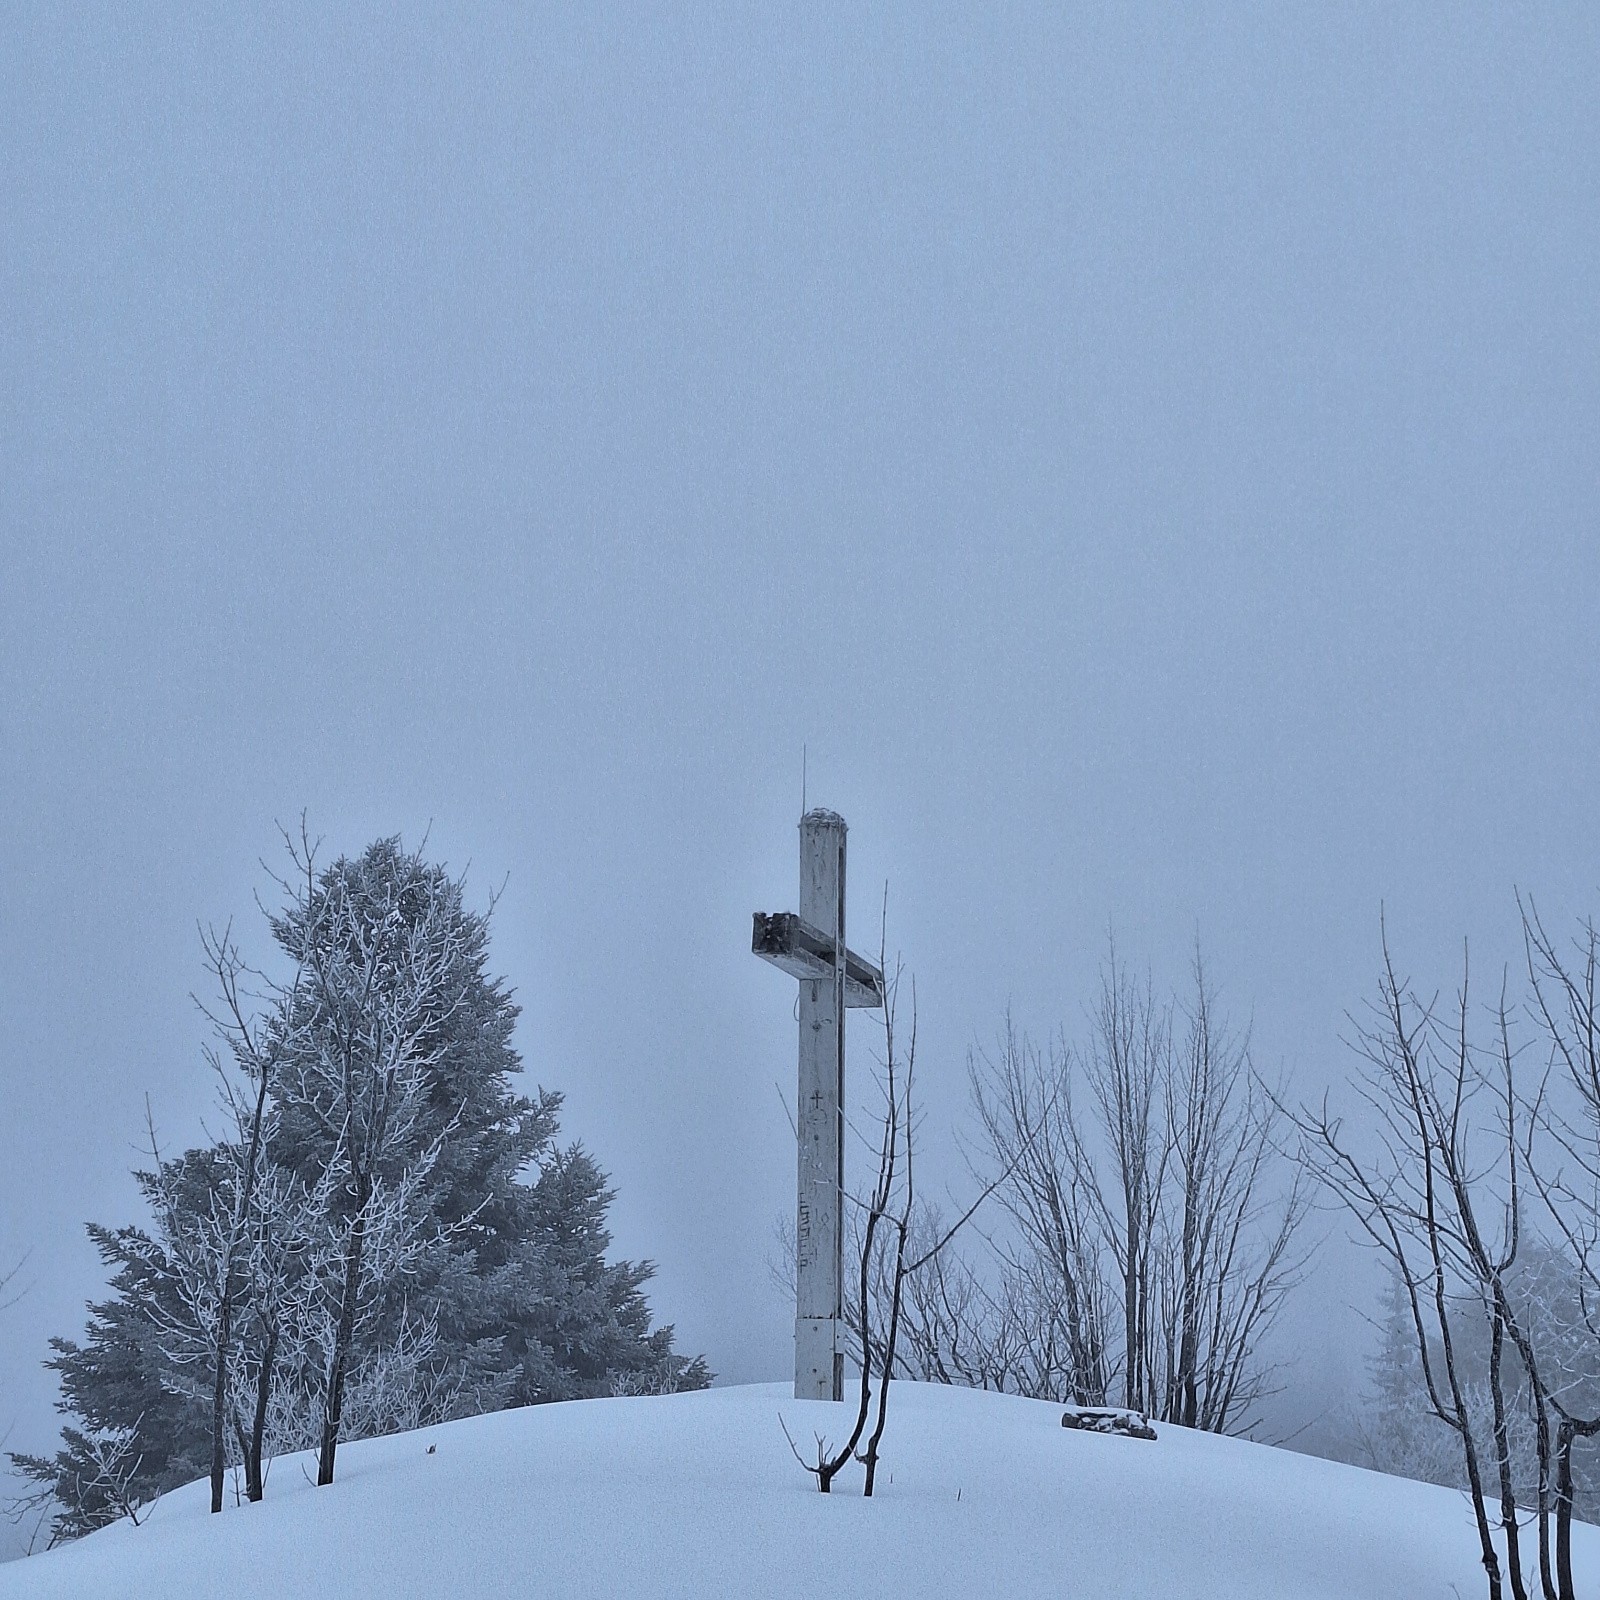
[698, 1496]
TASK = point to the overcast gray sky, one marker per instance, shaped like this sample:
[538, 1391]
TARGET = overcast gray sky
[1148, 457]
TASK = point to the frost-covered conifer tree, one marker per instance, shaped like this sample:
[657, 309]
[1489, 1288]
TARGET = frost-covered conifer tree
[481, 1276]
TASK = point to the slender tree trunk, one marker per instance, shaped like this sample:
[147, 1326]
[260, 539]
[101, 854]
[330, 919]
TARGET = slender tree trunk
[1571, 1428]
[828, 1470]
[1564, 1510]
[255, 1485]
[219, 1390]
[1188, 1363]
[1491, 1558]
[1132, 1333]
[343, 1338]
[871, 1457]
[1083, 1345]
[1541, 1436]
[1546, 1574]
[219, 1394]
[1502, 1452]
[241, 1439]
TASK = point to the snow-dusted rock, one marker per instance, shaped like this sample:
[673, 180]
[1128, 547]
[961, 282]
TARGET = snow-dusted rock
[1108, 1419]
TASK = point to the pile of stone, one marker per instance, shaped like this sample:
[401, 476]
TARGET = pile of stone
[1107, 1419]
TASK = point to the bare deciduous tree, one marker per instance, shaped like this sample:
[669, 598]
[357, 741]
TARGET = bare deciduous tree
[1566, 1113]
[202, 1247]
[890, 1258]
[1055, 1272]
[1437, 1194]
[1153, 1227]
[113, 1457]
[1227, 1230]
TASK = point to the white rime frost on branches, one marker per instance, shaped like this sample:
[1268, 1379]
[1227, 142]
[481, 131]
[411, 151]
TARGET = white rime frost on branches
[307, 1259]
[382, 974]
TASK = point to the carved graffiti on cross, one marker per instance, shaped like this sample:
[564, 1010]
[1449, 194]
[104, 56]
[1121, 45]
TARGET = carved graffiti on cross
[832, 977]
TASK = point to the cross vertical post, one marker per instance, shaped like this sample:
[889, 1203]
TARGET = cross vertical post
[819, 1220]
[832, 977]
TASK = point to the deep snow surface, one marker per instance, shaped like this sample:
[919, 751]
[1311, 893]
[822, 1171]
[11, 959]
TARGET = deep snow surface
[698, 1496]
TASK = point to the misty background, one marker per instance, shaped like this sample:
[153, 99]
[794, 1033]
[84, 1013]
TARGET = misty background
[1147, 461]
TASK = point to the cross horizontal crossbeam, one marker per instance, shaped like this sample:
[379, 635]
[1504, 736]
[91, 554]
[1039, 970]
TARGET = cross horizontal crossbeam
[805, 952]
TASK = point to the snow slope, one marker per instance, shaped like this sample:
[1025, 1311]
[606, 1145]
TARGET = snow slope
[698, 1496]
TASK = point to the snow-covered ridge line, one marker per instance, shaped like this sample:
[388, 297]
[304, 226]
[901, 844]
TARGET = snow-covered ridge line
[698, 1495]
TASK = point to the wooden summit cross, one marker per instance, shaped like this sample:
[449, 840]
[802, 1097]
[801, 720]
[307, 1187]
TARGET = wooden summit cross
[811, 947]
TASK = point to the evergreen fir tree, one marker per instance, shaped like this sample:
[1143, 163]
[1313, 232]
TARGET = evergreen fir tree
[506, 1267]
[1403, 1435]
